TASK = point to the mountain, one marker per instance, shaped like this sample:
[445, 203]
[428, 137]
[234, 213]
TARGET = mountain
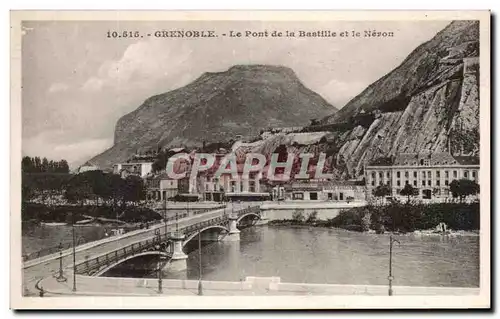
[215, 108]
[429, 103]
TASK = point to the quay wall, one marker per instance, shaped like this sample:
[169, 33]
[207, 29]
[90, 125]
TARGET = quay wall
[325, 209]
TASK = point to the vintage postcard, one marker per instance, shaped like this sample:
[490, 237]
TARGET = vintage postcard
[250, 160]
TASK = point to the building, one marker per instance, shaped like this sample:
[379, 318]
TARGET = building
[141, 169]
[430, 173]
[324, 190]
[87, 167]
[161, 187]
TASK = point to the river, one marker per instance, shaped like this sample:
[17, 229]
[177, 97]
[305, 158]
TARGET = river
[316, 255]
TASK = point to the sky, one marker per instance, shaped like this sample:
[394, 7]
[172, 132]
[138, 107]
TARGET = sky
[77, 82]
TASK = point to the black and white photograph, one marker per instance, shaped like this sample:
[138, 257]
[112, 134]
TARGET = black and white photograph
[250, 155]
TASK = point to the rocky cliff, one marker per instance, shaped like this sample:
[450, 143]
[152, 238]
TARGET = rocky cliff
[215, 108]
[428, 103]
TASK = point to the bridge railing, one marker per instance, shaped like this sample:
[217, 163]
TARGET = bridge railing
[91, 266]
[253, 209]
[51, 250]
[198, 226]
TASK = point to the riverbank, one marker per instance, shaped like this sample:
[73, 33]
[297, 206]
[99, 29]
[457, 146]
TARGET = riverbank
[396, 217]
[286, 223]
[99, 215]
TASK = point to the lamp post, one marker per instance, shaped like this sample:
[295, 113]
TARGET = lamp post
[391, 241]
[160, 283]
[60, 277]
[165, 217]
[74, 250]
[200, 287]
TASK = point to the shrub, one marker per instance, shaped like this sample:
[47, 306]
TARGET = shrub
[312, 218]
[298, 216]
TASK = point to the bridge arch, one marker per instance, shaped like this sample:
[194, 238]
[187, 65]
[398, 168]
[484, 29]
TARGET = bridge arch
[193, 235]
[146, 253]
[246, 215]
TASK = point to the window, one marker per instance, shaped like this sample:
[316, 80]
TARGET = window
[438, 182]
[423, 183]
[446, 174]
[251, 186]
[454, 174]
[373, 183]
[298, 195]
[398, 183]
[398, 174]
[313, 196]
[415, 183]
[466, 174]
[407, 182]
[426, 162]
[373, 175]
[474, 174]
[388, 174]
[423, 174]
[446, 182]
[429, 174]
[380, 174]
[406, 174]
[438, 174]
[415, 174]
[429, 183]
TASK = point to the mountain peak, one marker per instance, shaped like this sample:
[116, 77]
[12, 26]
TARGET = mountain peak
[216, 107]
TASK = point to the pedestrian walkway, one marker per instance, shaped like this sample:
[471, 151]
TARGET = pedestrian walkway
[251, 286]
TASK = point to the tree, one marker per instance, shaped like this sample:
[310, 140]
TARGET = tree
[45, 165]
[463, 188]
[408, 191]
[382, 191]
[134, 189]
[78, 192]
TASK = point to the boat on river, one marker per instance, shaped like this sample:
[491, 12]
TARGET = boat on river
[53, 224]
[84, 222]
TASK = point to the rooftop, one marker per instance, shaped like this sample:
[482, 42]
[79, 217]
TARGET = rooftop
[425, 158]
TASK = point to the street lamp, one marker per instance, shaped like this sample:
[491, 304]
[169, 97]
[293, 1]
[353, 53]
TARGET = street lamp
[74, 250]
[391, 241]
[60, 277]
[160, 285]
[200, 287]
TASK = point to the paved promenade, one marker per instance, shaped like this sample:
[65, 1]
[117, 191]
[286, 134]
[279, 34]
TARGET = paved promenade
[34, 270]
[251, 286]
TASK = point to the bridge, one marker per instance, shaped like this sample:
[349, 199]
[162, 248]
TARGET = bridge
[165, 240]
[169, 246]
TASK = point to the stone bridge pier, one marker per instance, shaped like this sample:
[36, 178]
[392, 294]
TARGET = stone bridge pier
[234, 232]
[178, 261]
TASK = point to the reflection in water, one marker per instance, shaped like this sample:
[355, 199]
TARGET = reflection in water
[317, 255]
